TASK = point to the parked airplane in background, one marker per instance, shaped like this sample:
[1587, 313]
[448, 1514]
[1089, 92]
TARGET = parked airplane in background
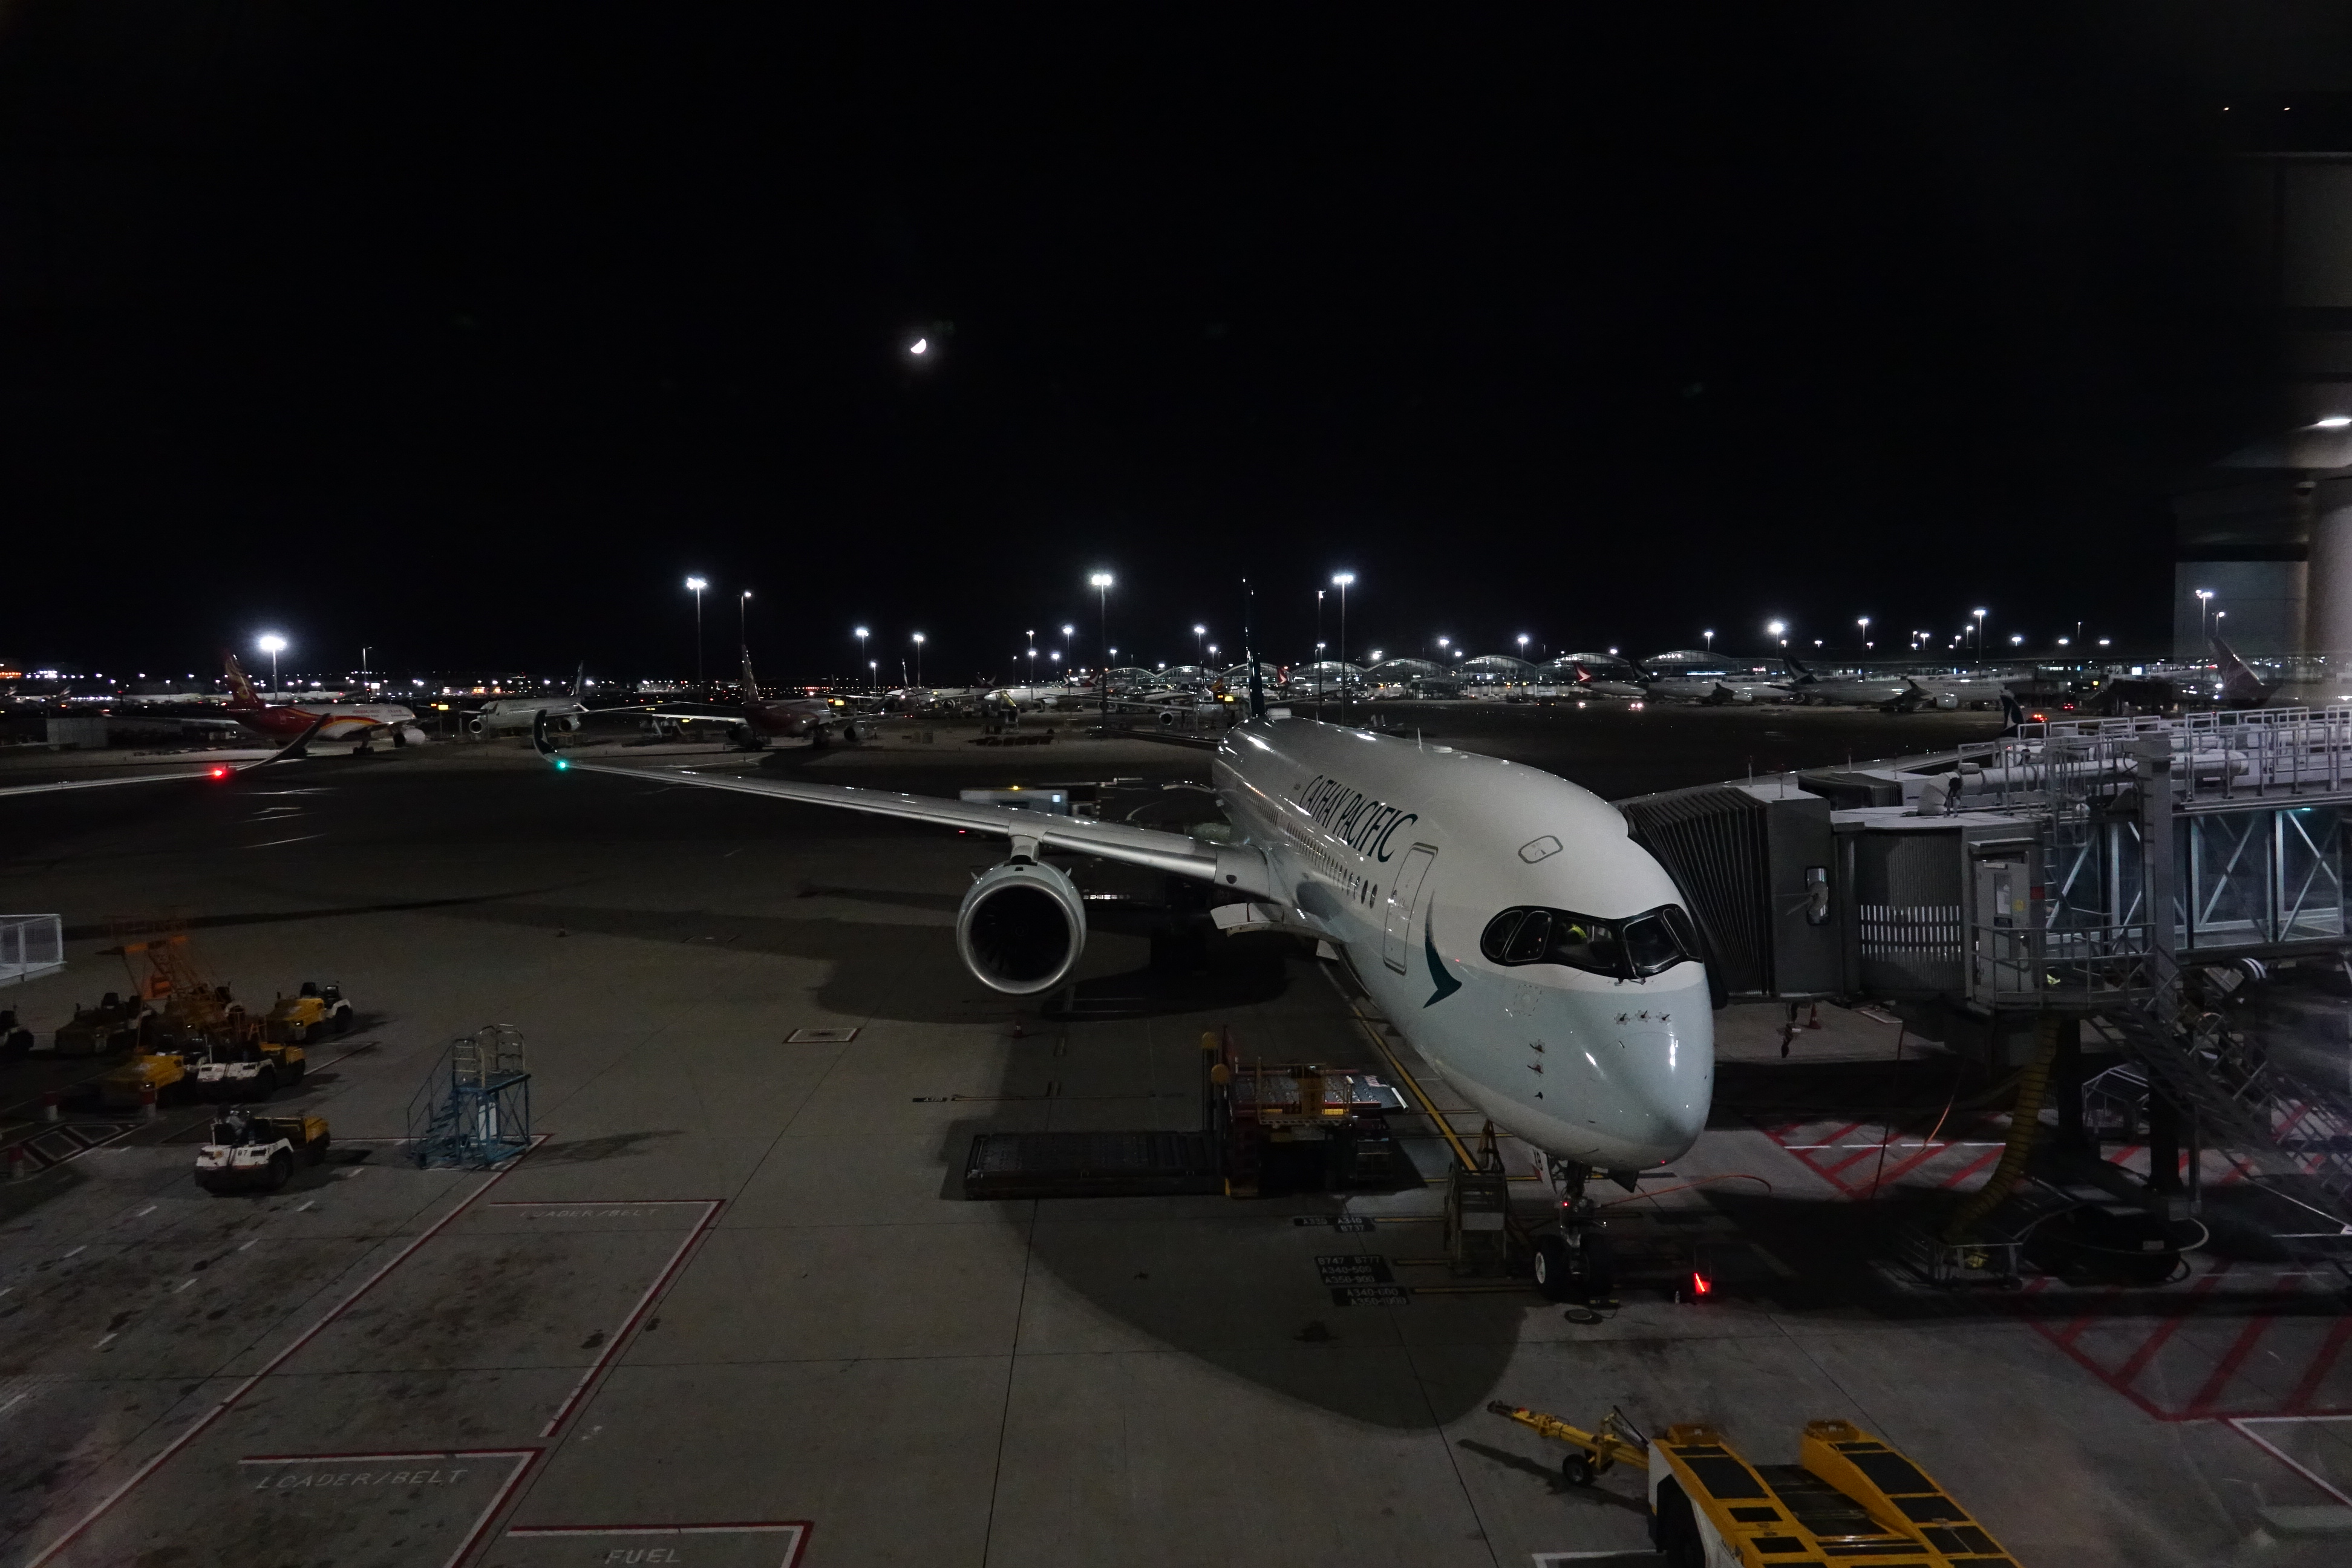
[755, 720]
[1501, 917]
[1898, 693]
[2162, 691]
[358, 722]
[516, 715]
[1590, 685]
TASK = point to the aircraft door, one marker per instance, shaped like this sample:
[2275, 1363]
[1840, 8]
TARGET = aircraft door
[1403, 893]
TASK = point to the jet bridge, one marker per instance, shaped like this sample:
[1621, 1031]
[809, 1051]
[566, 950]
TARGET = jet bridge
[2116, 873]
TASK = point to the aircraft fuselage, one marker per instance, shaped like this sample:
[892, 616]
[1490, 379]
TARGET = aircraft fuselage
[1405, 858]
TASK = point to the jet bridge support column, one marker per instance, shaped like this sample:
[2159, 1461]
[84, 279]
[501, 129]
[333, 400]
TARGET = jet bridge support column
[2156, 829]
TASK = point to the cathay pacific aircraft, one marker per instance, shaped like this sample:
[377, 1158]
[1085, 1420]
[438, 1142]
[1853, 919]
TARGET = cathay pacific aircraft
[1501, 918]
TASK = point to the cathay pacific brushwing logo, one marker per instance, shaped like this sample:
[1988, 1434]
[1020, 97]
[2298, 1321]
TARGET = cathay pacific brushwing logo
[1446, 985]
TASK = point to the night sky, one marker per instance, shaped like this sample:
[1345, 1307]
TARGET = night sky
[467, 332]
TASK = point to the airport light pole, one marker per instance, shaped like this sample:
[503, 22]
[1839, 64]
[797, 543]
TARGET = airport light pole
[1776, 630]
[2205, 613]
[1101, 582]
[272, 644]
[1200, 635]
[696, 586]
[1343, 579]
[1863, 622]
[1710, 640]
[868, 663]
[743, 620]
[919, 659]
[1979, 616]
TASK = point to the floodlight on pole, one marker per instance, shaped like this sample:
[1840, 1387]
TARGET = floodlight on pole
[1710, 640]
[1342, 581]
[743, 621]
[273, 645]
[870, 663]
[919, 659]
[1979, 616]
[1863, 622]
[1200, 635]
[695, 585]
[1101, 582]
[1776, 630]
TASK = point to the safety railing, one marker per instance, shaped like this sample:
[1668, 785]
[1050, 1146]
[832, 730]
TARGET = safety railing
[30, 947]
[2260, 753]
[2088, 967]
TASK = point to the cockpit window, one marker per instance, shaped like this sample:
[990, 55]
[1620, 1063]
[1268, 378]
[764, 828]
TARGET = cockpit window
[1647, 944]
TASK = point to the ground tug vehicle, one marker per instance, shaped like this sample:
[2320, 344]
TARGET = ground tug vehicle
[257, 1153]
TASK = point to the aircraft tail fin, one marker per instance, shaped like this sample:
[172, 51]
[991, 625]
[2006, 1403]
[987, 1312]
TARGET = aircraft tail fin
[580, 683]
[750, 685]
[2012, 712]
[240, 686]
[1796, 668]
[1583, 676]
[2239, 685]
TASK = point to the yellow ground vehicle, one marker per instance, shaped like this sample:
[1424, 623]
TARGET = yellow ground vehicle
[165, 1073]
[115, 1024]
[296, 1020]
[249, 1153]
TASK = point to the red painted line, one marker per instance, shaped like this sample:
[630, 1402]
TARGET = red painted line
[2227, 1367]
[1859, 1155]
[2162, 1334]
[1913, 1162]
[2067, 1336]
[1971, 1168]
[229, 1400]
[2321, 1365]
[802, 1529]
[613, 1347]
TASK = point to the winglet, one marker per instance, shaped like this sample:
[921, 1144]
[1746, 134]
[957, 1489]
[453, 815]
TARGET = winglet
[299, 747]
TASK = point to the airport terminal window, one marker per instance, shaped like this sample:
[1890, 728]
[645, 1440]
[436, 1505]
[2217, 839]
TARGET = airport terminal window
[1647, 944]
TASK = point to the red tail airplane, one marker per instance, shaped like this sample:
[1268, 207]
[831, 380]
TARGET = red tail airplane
[358, 722]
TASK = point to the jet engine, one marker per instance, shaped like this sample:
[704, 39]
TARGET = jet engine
[1021, 928]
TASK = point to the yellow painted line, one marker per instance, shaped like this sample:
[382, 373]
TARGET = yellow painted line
[1428, 1106]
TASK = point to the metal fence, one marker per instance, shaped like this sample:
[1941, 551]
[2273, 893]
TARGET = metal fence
[30, 946]
[2256, 755]
[2087, 968]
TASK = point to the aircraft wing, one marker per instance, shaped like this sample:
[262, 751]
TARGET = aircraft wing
[1177, 854]
[289, 753]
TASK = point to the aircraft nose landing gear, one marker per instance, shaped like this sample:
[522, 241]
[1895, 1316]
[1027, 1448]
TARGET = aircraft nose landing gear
[1571, 1259]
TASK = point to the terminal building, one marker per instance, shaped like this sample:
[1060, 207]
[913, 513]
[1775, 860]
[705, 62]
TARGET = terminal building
[2265, 533]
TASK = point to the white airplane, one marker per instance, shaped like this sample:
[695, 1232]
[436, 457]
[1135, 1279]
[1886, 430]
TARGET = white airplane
[1501, 917]
[518, 715]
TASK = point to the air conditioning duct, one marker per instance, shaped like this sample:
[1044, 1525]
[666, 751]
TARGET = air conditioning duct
[1021, 928]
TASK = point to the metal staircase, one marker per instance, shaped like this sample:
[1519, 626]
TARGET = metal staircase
[2294, 1133]
[474, 1111]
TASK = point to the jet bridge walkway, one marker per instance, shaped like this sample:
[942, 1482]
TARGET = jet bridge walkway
[1985, 889]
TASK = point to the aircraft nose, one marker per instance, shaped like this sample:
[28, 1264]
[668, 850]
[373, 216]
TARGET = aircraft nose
[1654, 1056]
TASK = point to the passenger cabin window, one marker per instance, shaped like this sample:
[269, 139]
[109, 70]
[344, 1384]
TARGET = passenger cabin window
[1647, 944]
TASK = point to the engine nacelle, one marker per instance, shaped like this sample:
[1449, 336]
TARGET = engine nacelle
[1021, 928]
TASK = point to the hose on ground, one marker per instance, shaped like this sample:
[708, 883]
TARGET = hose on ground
[2024, 1126]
